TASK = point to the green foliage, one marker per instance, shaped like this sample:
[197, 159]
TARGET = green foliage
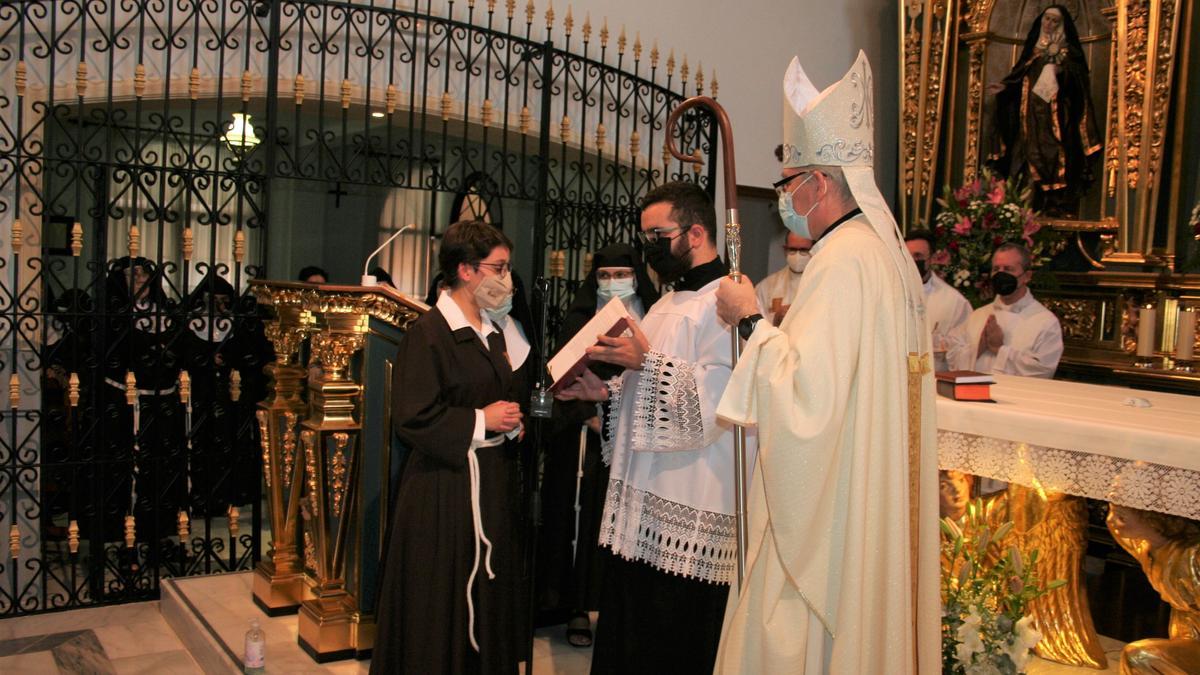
[987, 586]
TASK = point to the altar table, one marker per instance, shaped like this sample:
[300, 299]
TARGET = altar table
[1085, 440]
[1056, 442]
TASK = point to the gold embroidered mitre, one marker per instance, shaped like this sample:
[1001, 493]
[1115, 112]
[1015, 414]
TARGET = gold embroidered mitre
[835, 127]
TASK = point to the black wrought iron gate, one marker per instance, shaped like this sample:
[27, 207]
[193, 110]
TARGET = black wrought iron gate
[139, 144]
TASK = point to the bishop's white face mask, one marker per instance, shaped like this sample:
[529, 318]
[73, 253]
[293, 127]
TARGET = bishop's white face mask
[796, 222]
[798, 260]
[616, 288]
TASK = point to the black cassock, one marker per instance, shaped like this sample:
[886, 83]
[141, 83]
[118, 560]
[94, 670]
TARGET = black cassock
[440, 378]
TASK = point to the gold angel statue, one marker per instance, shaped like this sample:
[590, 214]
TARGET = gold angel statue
[1168, 548]
[1055, 525]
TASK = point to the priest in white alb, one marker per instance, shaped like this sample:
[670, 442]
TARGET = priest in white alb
[945, 308]
[842, 569]
[1014, 334]
[776, 291]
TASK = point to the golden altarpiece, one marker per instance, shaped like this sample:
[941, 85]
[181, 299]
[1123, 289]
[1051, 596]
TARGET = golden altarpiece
[327, 450]
[1132, 236]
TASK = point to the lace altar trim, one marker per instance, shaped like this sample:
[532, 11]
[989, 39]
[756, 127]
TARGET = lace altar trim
[1143, 485]
[671, 537]
[666, 412]
[608, 439]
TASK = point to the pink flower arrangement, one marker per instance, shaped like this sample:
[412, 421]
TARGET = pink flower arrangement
[996, 196]
[977, 217]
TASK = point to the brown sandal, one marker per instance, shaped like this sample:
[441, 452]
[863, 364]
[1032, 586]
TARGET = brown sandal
[579, 631]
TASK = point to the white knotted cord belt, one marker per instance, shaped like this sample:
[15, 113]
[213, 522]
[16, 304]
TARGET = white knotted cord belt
[480, 536]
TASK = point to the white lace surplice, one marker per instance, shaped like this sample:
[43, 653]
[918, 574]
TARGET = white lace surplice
[670, 498]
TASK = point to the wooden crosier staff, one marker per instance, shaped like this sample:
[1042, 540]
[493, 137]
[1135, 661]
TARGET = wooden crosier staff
[733, 252]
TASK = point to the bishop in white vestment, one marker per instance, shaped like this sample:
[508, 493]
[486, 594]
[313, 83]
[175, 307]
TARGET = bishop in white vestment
[842, 570]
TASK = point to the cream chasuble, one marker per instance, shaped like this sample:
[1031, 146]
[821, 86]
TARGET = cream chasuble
[830, 583]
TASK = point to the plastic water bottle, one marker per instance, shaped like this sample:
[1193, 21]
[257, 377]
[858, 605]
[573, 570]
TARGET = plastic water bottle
[255, 660]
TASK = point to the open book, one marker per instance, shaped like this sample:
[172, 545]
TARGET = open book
[570, 361]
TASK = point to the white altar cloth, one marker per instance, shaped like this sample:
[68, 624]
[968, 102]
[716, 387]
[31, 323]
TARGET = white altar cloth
[1081, 439]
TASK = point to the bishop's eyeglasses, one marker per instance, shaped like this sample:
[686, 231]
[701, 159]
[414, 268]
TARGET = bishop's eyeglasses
[781, 185]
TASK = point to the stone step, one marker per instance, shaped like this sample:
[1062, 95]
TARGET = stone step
[212, 614]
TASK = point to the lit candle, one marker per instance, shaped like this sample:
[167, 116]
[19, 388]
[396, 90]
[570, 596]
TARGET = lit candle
[1185, 335]
[1145, 340]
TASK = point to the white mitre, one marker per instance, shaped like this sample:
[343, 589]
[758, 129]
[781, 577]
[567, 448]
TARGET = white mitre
[836, 127]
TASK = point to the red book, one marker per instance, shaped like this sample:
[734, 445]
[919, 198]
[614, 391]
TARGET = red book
[570, 361]
[964, 392]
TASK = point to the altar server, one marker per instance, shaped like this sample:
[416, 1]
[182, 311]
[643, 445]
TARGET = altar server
[669, 511]
[945, 307]
[775, 293]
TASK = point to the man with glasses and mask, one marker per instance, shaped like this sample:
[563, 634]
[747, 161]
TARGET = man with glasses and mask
[775, 293]
[669, 510]
[1014, 334]
[945, 307]
[842, 551]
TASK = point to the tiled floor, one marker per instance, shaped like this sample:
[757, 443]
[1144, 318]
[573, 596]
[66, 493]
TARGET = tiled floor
[103, 640]
[137, 639]
[225, 604]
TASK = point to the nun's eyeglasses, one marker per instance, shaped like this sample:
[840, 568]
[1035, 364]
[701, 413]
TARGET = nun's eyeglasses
[501, 269]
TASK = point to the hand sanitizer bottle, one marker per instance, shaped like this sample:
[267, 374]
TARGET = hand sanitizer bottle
[255, 660]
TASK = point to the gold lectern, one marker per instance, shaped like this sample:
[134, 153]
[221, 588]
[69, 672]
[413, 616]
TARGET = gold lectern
[279, 578]
[327, 465]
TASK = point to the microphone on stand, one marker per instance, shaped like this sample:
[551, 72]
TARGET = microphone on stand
[369, 279]
[541, 403]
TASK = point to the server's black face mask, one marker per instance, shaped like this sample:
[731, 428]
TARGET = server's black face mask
[668, 266]
[1003, 283]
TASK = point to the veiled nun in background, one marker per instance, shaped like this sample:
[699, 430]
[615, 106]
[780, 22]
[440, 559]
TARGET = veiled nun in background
[141, 334]
[69, 325]
[224, 449]
[570, 566]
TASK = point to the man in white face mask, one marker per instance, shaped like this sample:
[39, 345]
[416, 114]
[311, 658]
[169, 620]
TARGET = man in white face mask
[775, 293]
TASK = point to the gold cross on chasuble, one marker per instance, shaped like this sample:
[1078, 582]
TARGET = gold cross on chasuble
[778, 310]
